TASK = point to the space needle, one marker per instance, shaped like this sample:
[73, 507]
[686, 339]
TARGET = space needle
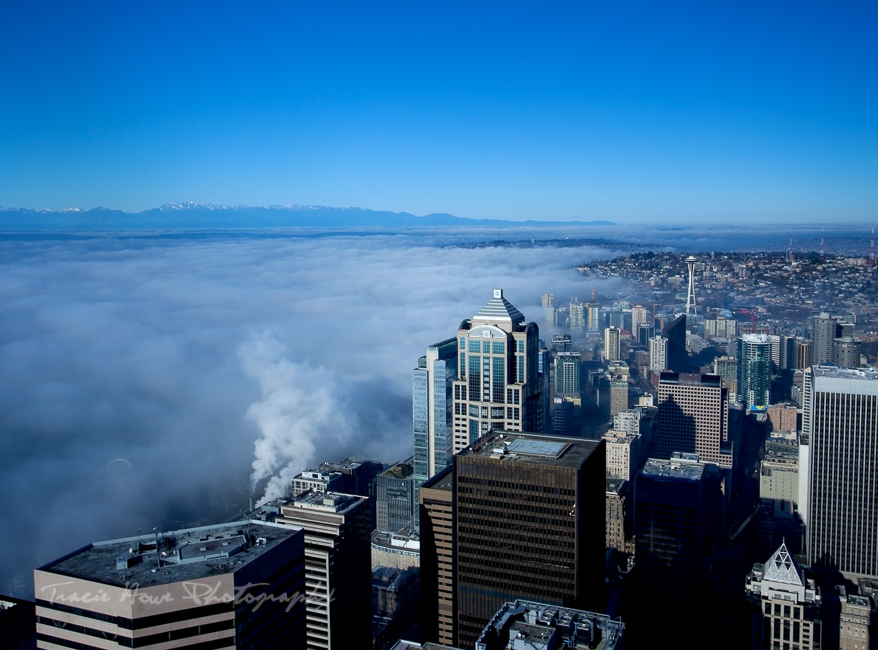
[690, 296]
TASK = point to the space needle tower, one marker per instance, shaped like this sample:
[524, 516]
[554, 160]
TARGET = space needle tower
[690, 296]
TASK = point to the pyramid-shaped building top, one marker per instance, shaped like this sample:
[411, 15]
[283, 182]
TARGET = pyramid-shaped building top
[499, 311]
[783, 569]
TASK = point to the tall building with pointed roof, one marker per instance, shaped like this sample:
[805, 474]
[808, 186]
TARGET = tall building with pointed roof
[786, 604]
[498, 384]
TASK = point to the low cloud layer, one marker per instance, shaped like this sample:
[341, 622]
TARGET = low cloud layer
[212, 363]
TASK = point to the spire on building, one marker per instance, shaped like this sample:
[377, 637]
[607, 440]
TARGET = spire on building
[592, 292]
[782, 568]
[498, 309]
[822, 247]
[790, 249]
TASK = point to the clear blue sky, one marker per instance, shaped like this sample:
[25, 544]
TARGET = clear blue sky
[633, 112]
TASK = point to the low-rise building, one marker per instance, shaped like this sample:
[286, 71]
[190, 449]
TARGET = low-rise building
[238, 585]
[779, 469]
[399, 550]
[318, 480]
[525, 625]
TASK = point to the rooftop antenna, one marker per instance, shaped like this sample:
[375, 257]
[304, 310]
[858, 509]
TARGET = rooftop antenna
[872, 248]
[592, 290]
[822, 247]
[790, 249]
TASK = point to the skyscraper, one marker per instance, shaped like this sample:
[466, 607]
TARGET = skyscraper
[825, 328]
[567, 374]
[678, 519]
[846, 352]
[593, 316]
[693, 417]
[578, 314]
[786, 604]
[337, 567]
[612, 344]
[840, 424]
[675, 335]
[754, 370]
[432, 409]
[498, 384]
[530, 524]
[639, 316]
[396, 498]
[438, 578]
[658, 354]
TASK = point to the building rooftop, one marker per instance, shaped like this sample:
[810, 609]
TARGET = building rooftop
[615, 485]
[326, 501]
[348, 464]
[182, 555]
[525, 625]
[614, 436]
[672, 470]
[404, 539]
[781, 568]
[510, 447]
[400, 470]
[834, 372]
[499, 310]
[444, 480]
[690, 379]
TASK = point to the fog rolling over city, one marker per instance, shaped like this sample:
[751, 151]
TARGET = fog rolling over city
[150, 381]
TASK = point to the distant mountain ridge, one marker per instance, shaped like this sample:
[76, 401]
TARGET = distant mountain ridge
[189, 215]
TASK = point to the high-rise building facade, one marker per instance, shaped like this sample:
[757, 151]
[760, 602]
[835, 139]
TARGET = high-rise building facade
[561, 343]
[238, 585]
[754, 371]
[825, 328]
[801, 355]
[396, 498]
[612, 344]
[529, 524]
[639, 316]
[678, 521]
[338, 567]
[568, 368]
[578, 314]
[658, 354]
[438, 583]
[727, 369]
[624, 454]
[846, 352]
[498, 384]
[644, 332]
[433, 409]
[840, 424]
[786, 606]
[693, 417]
[674, 334]
[593, 316]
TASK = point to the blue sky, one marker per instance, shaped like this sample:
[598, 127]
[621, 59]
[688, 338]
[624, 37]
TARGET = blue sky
[633, 112]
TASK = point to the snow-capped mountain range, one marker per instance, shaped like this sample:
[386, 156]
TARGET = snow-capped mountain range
[190, 215]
